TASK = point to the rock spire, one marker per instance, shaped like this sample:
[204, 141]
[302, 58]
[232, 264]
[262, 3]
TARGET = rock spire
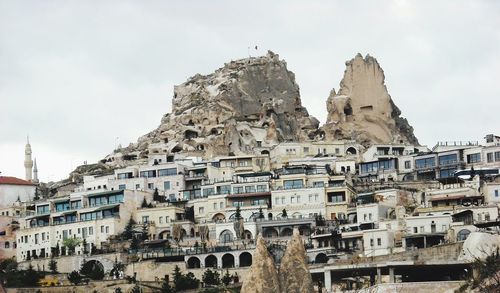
[263, 276]
[294, 272]
[363, 110]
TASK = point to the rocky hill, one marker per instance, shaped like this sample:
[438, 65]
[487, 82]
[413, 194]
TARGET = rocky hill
[253, 104]
[363, 110]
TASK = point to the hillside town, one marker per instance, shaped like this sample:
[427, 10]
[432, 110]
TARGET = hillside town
[199, 203]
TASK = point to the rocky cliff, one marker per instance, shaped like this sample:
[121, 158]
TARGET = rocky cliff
[363, 110]
[248, 103]
[252, 104]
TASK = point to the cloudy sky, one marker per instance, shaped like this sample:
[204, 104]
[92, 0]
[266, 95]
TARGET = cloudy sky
[81, 77]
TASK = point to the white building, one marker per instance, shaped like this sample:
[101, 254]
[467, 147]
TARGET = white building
[13, 189]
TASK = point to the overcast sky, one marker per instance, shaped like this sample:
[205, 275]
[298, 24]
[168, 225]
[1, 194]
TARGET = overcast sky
[81, 77]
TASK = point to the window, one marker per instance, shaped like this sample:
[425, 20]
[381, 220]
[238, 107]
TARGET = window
[208, 191]
[7, 244]
[371, 242]
[102, 229]
[225, 189]
[261, 188]
[91, 230]
[282, 200]
[447, 159]
[122, 186]
[137, 186]
[167, 172]
[447, 173]
[364, 217]
[370, 216]
[422, 230]
[145, 219]
[238, 189]
[318, 184]
[496, 193]
[310, 198]
[337, 150]
[489, 157]
[306, 150]
[238, 203]
[425, 163]
[74, 205]
[151, 186]
[497, 156]
[298, 198]
[379, 242]
[221, 205]
[124, 175]
[107, 229]
[293, 184]
[147, 174]
[249, 189]
[292, 200]
[160, 220]
[407, 164]
[62, 206]
[336, 196]
[201, 210]
[42, 209]
[166, 185]
[474, 158]
[415, 230]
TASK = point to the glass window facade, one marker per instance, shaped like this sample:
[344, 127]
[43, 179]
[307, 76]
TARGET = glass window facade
[293, 184]
[474, 158]
[42, 209]
[167, 172]
[62, 206]
[425, 163]
[450, 159]
[148, 174]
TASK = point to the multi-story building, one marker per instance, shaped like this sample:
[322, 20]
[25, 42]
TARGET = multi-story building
[92, 217]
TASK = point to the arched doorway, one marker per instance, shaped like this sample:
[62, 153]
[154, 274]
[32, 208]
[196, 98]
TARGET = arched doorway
[193, 263]
[304, 230]
[211, 261]
[285, 232]
[226, 236]
[228, 261]
[351, 151]
[321, 258]
[463, 234]
[248, 235]
[219, 217]
[270, 232]
[164, 234]
[93, 269]
[245, 259]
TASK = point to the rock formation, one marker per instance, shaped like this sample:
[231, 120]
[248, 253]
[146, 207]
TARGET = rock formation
[262, 276]
[363, 110]
[252, 104]
[248, 103]
[294, 272]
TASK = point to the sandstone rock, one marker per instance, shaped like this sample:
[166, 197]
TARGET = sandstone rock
[363, 110]
[262, 276]
[294, 272]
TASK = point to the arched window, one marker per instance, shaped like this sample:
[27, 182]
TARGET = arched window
[7, 244]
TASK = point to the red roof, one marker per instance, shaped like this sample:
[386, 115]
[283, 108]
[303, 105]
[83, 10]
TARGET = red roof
[13, 181]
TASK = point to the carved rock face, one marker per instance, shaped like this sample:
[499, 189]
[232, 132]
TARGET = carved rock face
[363, 109]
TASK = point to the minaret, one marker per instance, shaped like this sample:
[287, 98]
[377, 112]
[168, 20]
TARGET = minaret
[28, 162]
[35, 172]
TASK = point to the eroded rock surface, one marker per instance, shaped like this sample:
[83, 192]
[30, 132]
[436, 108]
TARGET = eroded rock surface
[363, 110]
[262, 276]
[294, 273]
